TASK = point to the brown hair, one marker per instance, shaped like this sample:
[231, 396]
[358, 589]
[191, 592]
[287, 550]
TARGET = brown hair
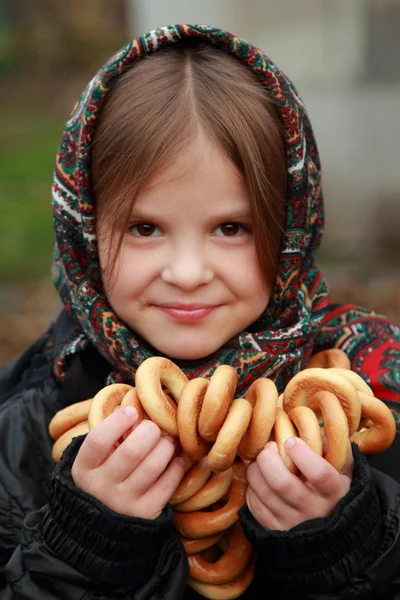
[154, 109]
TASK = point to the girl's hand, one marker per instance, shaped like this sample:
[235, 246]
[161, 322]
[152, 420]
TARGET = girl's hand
[279, 500]
[136, 479]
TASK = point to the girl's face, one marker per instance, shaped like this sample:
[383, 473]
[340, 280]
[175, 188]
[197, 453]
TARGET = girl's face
[187, 277]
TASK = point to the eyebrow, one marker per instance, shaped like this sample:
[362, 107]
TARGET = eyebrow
[230, 215]
[234, 214]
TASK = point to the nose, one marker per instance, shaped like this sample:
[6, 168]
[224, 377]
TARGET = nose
[187, 269]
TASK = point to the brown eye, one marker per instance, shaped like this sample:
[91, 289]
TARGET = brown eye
[143, 229]
[230, 229]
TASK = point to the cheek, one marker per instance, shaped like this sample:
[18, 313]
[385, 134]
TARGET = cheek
[132, 273]
[245, 272]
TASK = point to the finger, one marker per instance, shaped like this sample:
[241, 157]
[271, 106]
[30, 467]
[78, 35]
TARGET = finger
[283, 507]
[161, 491]
[260, 512]
[127, 457]
[152, 466]
[101, 440]
[257, 481]
[279, 479]
[317, 471]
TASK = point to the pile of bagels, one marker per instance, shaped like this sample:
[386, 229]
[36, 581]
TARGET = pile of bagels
[220, 435]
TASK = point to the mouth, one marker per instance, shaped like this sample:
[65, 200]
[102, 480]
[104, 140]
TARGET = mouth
[187, 313]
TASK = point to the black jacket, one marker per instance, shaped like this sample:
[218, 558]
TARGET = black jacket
[56, 542]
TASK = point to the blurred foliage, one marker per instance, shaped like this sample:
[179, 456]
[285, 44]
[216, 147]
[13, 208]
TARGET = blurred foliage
[59, 35]
[48, 52]
[28, 145]
[6, 62]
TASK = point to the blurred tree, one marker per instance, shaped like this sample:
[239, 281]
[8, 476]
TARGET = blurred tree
[47, 36]
[5, 41]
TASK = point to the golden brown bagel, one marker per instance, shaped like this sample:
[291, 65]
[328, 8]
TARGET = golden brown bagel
[150, 376]
[194, 546]
[189, 409]
[227, 591]
[306, 422]
[335, 427]
[263, 397]
[66, 438]
[382, 430]
[217, 400]
[68, 417]
[310, 381]
[192, 482]
[283, 430]
[326, 359]
[224, 449]
[215, 489]
[105, 401]
[206, 523]
[236, 557]
[355, 379]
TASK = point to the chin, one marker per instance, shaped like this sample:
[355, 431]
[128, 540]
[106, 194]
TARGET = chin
[186, 353]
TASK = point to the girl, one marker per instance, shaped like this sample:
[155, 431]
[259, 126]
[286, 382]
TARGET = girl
[187, 211]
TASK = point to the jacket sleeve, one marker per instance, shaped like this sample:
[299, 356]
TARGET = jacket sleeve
[353, 554]
[75, 547]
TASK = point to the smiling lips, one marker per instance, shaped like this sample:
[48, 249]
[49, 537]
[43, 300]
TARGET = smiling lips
[187, 313]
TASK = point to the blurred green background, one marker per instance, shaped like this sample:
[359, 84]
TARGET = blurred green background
[49, 50]
[28, 141]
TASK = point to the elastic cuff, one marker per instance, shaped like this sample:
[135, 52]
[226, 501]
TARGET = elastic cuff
[323, 554]
[94, 539]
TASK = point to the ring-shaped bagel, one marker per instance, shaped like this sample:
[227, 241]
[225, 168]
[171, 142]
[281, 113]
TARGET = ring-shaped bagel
[237, 552]
[310, 381]
[335, 425]
[308, 428]
[355, 379]
[226, 591]
[68, 417]
[194, 546]
[212, 491]
[192, 482]
[382, 430]
[205, 523]
[104, 402]
[189, 408]
[224, 449]
[216, 402]
[66, 438]
[263, 396]
[150, 376]
[282, 431]
[327, 359]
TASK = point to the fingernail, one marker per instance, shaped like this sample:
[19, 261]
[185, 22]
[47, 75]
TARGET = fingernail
[130, 411]
[273, 446]
[290, 442]
[187, 462]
